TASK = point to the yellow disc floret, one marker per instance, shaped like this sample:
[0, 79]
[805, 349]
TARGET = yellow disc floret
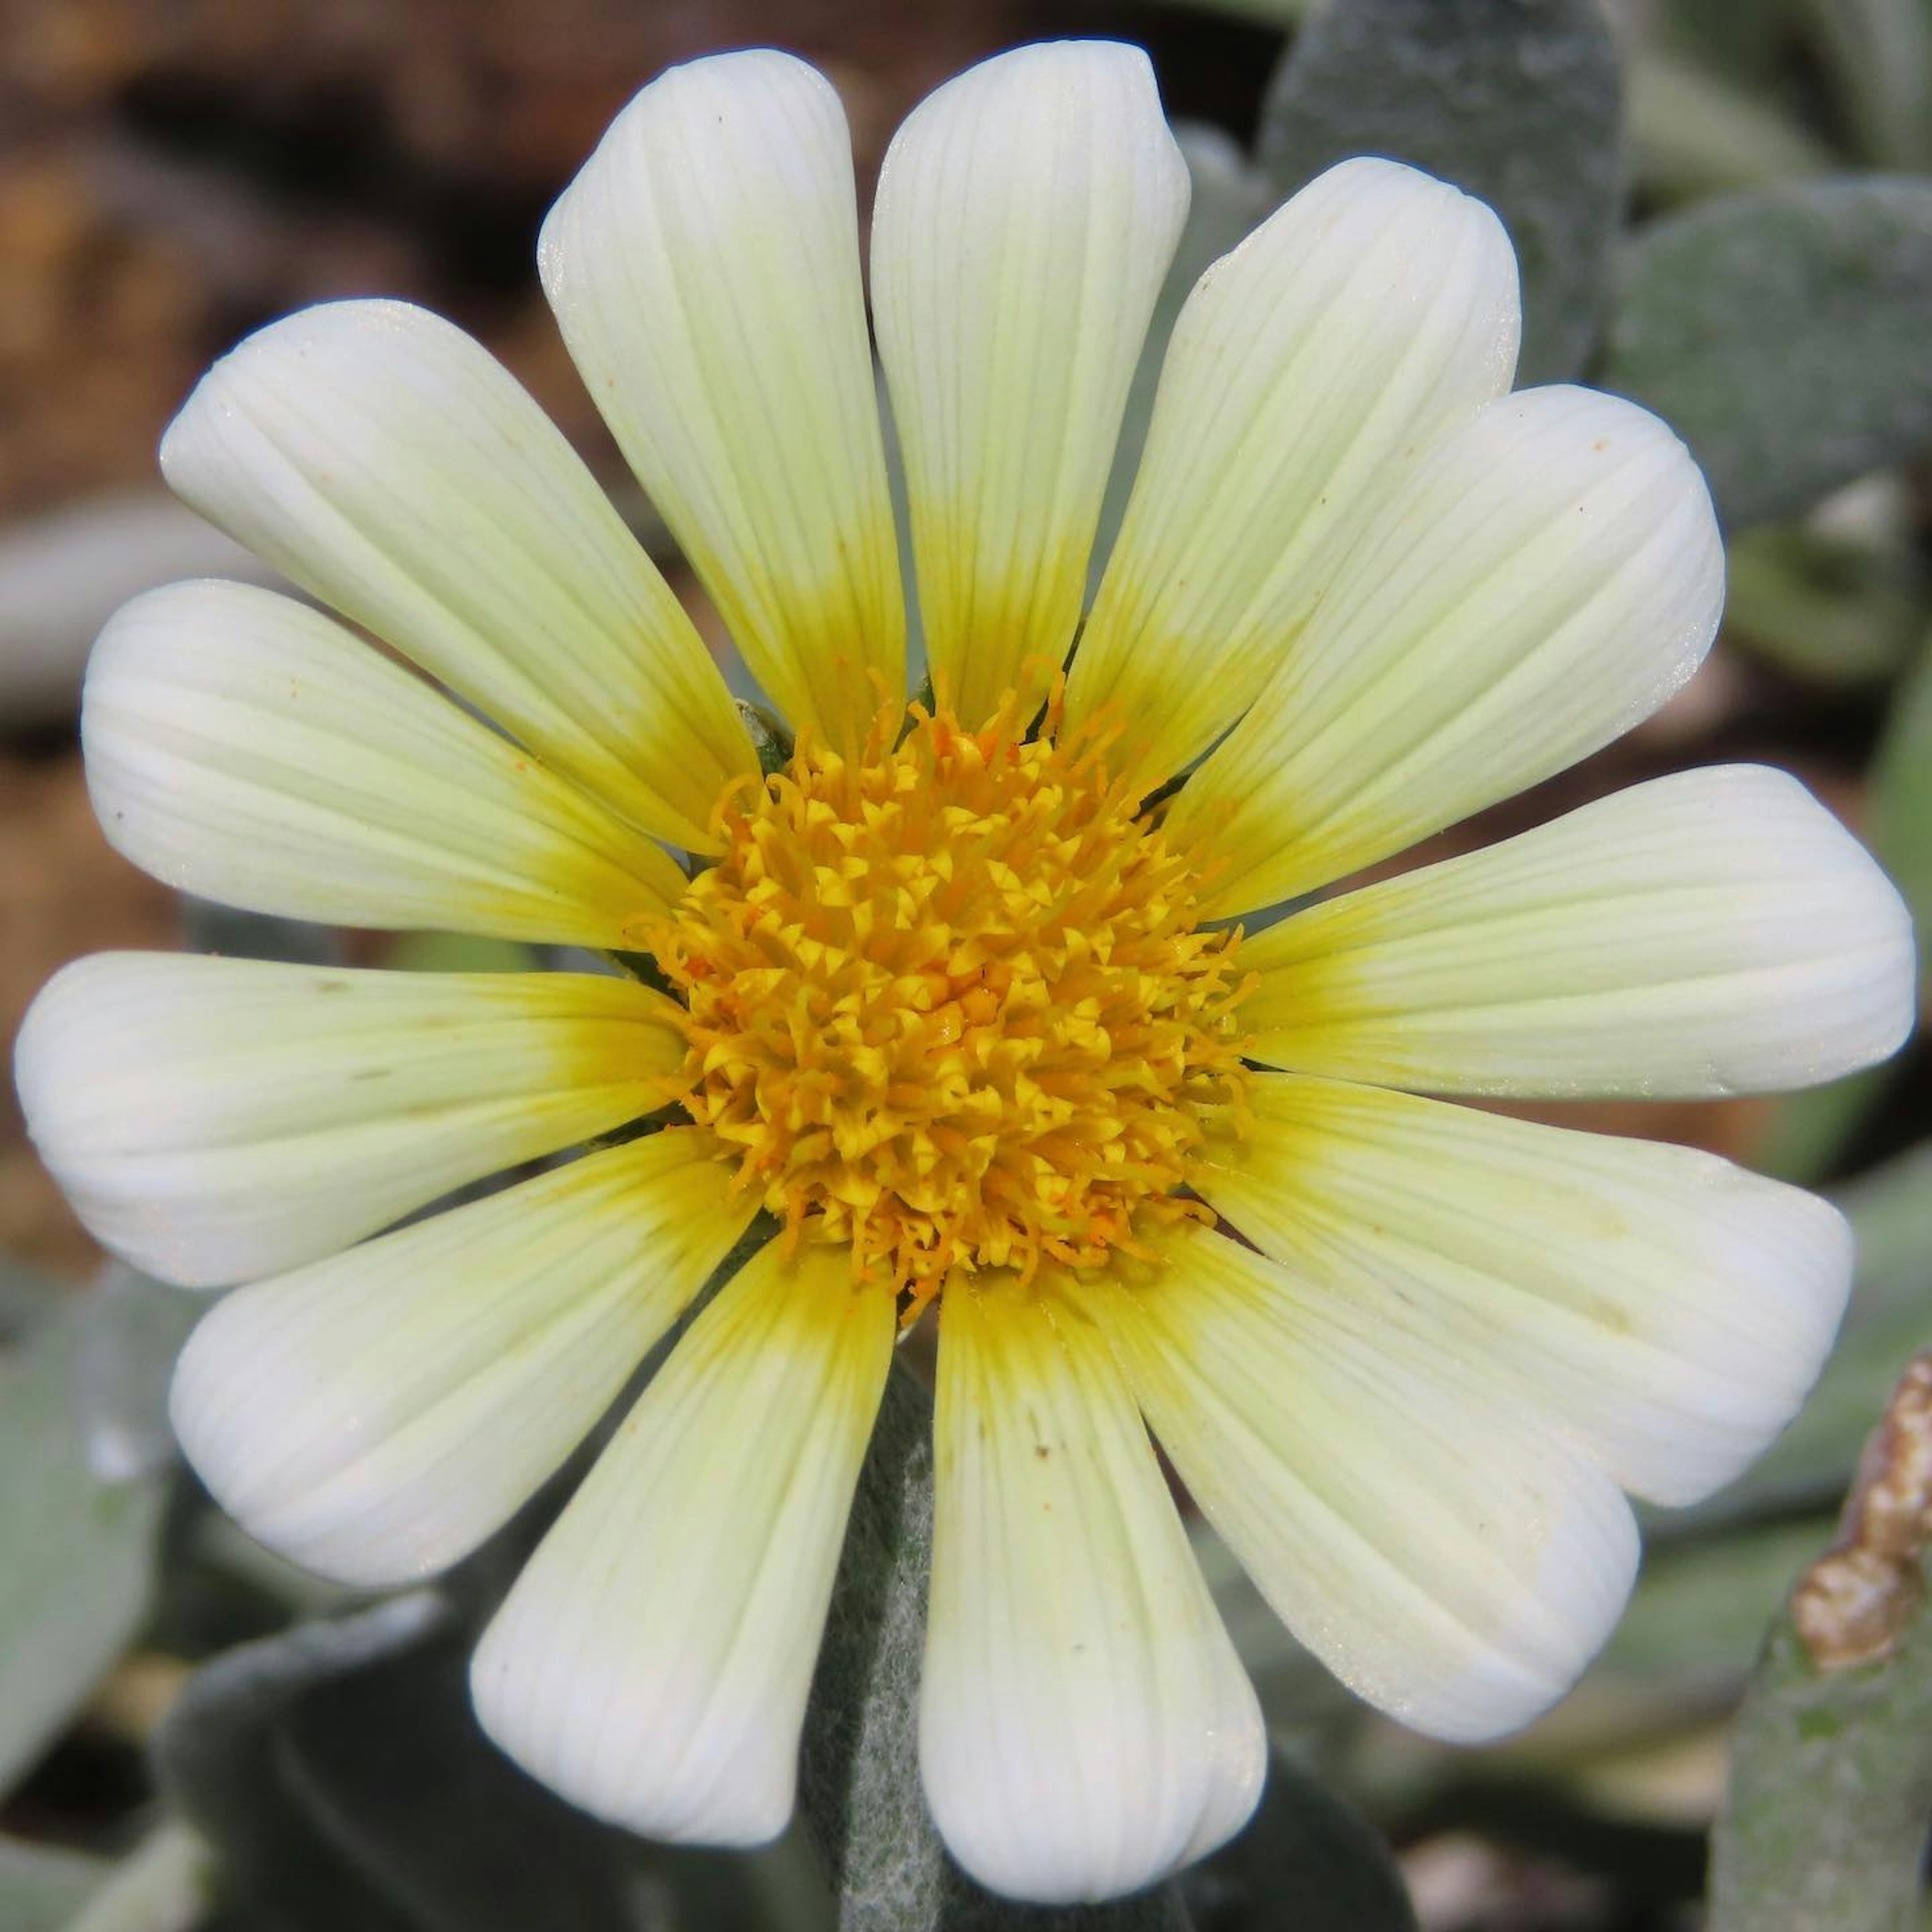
[947, 1003]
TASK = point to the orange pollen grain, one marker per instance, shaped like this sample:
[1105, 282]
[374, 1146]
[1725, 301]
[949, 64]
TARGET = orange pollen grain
[947, 1003]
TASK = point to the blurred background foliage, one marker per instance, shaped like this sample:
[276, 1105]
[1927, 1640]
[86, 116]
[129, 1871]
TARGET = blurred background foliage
[1723, 209]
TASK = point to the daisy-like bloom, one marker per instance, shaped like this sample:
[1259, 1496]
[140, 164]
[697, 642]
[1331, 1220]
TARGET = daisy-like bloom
[960, 995]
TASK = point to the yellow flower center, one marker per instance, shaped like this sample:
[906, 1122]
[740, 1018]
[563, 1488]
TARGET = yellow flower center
[947, 1003]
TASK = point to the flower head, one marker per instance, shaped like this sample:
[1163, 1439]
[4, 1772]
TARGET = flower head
[948, 1005]
[970, 996]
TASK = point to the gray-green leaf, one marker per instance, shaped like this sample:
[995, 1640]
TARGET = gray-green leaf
[396, 1777]
[1829, 610]
[1310, 1862]
[339, 1771]
[1825, 1822]
[859, 1774]
[1696, 1620]
[132, 1329]
[209, 926]
[220, 1756]
[1516, 101]
[1901, 799]
[1782, 334]
[40, 1888]
[1692, 133]
[78, 1551]
[1879, 53]
[165, 1884]
[343, 1778]
[27, 1300]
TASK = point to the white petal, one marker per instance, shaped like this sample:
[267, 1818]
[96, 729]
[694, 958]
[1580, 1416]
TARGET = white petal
[1665, 1309]
[390, 465]
[212, 1119]
[653, 1662]
[374, 1417]
[1373, 313]
[242, 746]
[1716, 932]
[1546, 578]
[704, 268]
[1447, 1557]
[1085, 1726]
[1026, 213]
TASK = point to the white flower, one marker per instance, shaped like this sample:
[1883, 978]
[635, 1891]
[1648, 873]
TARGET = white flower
[950, 1001]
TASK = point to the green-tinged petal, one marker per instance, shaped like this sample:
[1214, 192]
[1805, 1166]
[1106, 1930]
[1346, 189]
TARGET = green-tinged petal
[1716, 932]
[1310, 370]
[704, 268]
[1546, 576]
[1665, 1309]
[213, 1119]
[1026, 213]
[1446, 1556]
[1084, 1724]
[653, 1662]
[242, 746]
[389, 464]
[374, 1417]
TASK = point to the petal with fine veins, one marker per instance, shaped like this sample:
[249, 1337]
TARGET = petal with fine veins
[1371, 315]
[652, 1662]
[1665, 1309]
[213, 1119]
[1026, 213]
[374, 1417]
[1085, 1726]
[1448, 1558]
[1716, 932]
[704, 269]
[242, 746]
[1544, 579]
[389, 464]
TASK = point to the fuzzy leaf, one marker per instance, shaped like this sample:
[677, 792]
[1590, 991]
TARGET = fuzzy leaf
[398, 1781]
[1518, 101]
[858, 1775]
[220, 1759]
[1831, 1784]
[1782, 334]
[338, 1771]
